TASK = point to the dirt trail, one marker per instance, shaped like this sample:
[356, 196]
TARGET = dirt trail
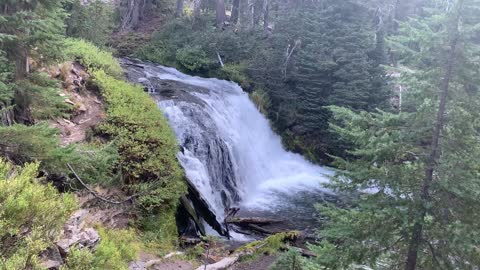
[88, 109]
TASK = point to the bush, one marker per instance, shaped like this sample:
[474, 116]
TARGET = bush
[97, 163]
[39, 95]
[290, 260]
[116, 249]
[159, 231]
[236, 73]
[92, 58]
[22, 144]
[31, 215]
[79, 259]
[146, 143]
[193, 59]
[261, 100]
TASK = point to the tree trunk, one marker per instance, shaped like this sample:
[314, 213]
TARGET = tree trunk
[220, 12]
[132, 15]
[197, 8]
[235, 11]
[265, 15]
[21, 63]
[417, 231]
[179, 8]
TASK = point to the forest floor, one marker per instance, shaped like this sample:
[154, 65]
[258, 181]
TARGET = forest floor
[260, 263]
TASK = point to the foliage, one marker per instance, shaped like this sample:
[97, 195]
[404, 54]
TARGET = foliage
[393, 158]
[193, 59]
[159, 231]
[40, 95]
[146, 143]
[6, 79]
[97, 163]
[236, 73]
[31, 215]
[78, 259]
[116, 249]
[271, 244]
[31, 29]
[93, 21]
[260, 98]
[22, 144]
[335, 59]
[92, 58]
[291, 260]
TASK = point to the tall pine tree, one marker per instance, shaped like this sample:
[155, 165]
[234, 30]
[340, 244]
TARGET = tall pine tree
[415, 174]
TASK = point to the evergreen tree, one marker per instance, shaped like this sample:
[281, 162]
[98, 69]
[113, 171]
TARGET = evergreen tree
[322, 54]
[415, 172]
[31, 29]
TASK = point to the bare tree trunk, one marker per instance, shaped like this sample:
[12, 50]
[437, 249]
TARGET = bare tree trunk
[235, 11]
[266, 15]
[132, 14]
[417, 231]
[197, 8]
[21, 63]
[179, 8]
[251, 8]
[243, 12]
[221, 16]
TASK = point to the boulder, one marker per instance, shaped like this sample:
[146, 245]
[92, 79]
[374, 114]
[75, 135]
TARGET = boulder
[51, 258]
[75, 234]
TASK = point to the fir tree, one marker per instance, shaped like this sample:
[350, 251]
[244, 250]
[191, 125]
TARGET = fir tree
[415, 172]
[31, 28]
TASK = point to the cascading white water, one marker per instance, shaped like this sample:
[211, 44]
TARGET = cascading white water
[230, 153]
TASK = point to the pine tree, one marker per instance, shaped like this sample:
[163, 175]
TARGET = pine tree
[327, 54]
[31, 29]
[415, 174]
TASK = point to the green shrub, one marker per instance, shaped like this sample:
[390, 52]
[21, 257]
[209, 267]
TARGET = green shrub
[40, 95]
[92, 58]
[116, 249]
[146, 143]
[290, 260]
[79, 259]
[236, 73]
[261, 100]
[22, 144]
[159, 231]
[156, 53]
[31, 215]
[193, 59]
[96, 163]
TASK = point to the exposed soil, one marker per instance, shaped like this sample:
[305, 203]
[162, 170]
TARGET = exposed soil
[88, 109]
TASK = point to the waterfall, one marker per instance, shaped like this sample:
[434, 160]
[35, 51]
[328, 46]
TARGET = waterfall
[229, 151]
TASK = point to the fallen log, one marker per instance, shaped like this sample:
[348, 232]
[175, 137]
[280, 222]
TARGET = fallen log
[260, 229]
[222, 264]
[252, 220]
[190, 240]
